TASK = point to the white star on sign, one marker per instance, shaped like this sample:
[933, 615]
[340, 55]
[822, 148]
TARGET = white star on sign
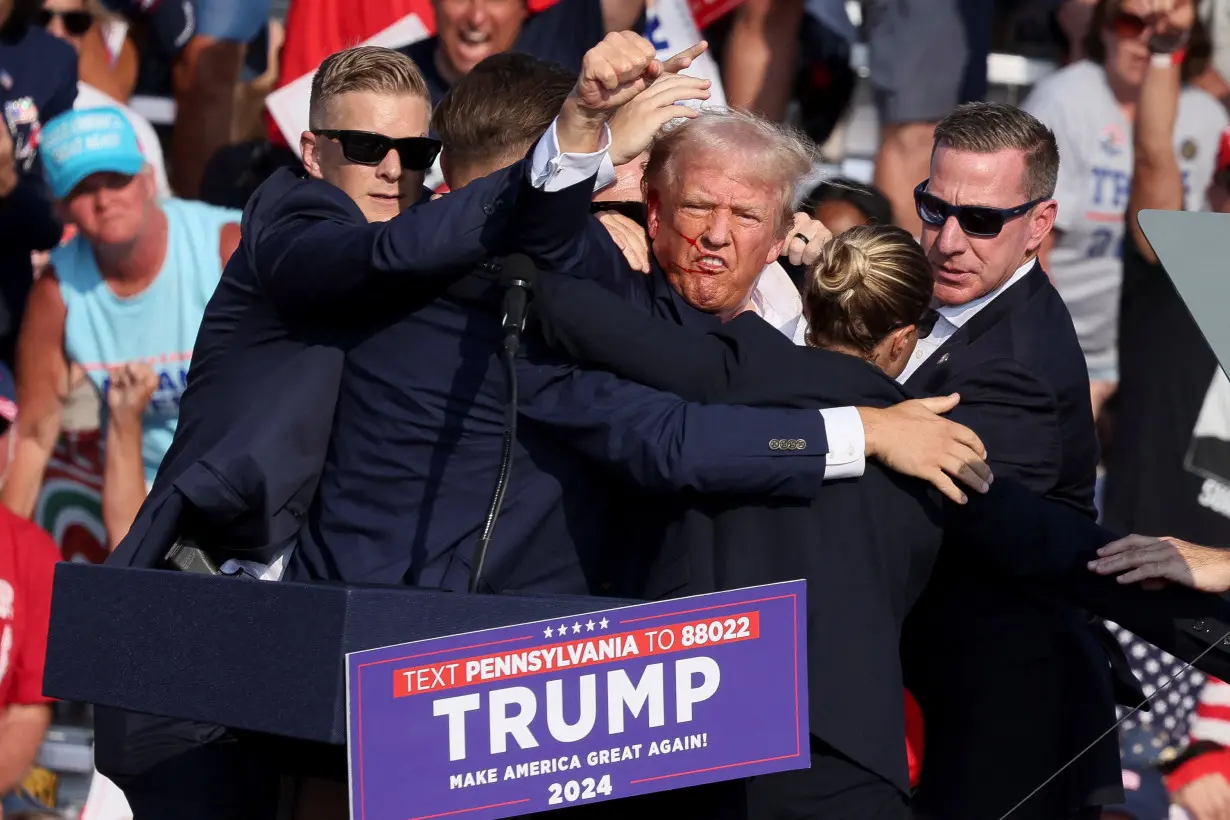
[589, 626]
[563, 629]
[603, 623]
[576, 628]
[548, 632]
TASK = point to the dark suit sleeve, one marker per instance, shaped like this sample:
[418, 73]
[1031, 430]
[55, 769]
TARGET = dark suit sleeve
[660, 442]
[319, 252]
[592, 325]
[27, 219]
[1017, 417]
[1023, 534]
[65, 95]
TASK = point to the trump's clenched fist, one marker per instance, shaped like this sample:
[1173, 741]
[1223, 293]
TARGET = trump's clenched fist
[613, 72]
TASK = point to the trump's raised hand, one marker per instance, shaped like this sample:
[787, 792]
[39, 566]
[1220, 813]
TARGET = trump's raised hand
[613, 72]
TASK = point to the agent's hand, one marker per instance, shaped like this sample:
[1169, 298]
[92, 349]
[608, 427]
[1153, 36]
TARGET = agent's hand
[629, 237]
[913, 438]
[805, 240]
[638, 122]
[1205, 798]
[1156, 561]
[132, 386]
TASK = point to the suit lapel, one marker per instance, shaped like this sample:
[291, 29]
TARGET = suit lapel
[931, 371]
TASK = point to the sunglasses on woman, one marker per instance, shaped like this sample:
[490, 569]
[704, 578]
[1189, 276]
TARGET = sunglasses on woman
[366, 148]
[976, 220]
[75, 23]
[926, 324]
[1127, 26]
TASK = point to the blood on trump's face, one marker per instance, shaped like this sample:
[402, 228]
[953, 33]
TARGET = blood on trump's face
[713, 231]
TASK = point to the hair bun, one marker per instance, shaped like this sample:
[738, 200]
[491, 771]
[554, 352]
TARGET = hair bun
[842, 267]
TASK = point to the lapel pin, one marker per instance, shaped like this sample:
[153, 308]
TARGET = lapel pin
[943, 359]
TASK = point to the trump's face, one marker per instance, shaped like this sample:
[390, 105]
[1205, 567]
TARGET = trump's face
[713, 230]
[384, 190]
[965, 266]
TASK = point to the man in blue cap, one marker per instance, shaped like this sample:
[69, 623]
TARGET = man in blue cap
[128, 291]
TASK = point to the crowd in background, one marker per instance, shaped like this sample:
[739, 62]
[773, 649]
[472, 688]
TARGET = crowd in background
[89, 389]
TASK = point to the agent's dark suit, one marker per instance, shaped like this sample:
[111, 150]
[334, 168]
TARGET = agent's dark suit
[417, 437]
[978, 642]
[258, 410]
[866, 547]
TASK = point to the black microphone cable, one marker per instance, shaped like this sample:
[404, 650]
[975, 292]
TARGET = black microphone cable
[517, 274]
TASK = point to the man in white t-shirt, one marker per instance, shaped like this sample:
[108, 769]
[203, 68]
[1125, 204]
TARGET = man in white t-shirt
[70, 20]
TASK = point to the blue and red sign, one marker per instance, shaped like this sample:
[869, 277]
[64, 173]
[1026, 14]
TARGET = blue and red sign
[564, 712]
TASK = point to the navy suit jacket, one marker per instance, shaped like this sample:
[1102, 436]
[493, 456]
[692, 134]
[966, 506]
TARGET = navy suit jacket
[418, 430]
[866, 546]
[258, 409]
[1021, 359]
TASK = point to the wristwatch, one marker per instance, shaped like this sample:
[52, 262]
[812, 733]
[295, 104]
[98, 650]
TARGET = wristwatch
[1169, 43]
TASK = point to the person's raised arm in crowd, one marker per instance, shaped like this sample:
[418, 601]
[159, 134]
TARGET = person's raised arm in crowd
[1157, 182]
[128, 393]
[42, 389]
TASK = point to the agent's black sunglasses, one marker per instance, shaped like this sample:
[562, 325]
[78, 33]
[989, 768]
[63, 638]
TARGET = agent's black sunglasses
[75, 22]
[366, 148]
[975, 220]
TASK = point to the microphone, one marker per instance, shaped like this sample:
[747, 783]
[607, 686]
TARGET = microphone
[517, 274]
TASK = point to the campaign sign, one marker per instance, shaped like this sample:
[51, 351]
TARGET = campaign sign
[566, 712]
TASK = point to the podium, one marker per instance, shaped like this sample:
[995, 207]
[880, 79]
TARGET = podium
[251, 655]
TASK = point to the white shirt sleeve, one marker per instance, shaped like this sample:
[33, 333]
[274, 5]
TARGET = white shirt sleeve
[847, 456]
[552, 171]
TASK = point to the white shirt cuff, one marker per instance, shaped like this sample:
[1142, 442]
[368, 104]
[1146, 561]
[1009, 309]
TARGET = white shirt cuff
[552, 171]
[847, 455]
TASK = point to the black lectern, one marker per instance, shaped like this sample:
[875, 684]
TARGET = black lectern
[259, 656]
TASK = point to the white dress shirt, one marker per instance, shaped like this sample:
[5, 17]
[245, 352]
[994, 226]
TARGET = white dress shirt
[776, 300]
[953, 317]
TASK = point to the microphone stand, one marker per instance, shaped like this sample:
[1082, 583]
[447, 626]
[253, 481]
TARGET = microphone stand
[514, 322]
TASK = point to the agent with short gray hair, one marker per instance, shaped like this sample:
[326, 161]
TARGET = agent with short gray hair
[994, 666]
[719, 190]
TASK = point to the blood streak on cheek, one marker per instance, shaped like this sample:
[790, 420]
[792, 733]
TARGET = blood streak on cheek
[695, 243]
